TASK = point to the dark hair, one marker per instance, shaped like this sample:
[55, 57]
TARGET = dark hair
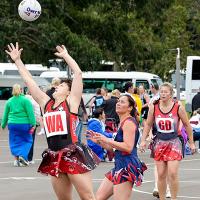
[128, 85]
[155, 85]
[98, 91]
[135, 90]
[68, 82]
[97, 112]
[132, 103]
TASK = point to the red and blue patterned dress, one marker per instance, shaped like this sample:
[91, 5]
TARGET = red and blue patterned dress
[64, 153]
[127, 167]
[167, 144]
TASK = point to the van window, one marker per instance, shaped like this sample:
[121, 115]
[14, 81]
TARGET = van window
[5, 93]
[90, 85]
[112, 84]
[195, 70]
[142, 82]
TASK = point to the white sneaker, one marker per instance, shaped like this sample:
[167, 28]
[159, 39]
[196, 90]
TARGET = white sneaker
[22, 161]
[16, 163]
[155, 193]
[198, 150]
[168, 194]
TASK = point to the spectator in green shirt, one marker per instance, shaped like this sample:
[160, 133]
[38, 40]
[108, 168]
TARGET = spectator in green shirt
[19, 116]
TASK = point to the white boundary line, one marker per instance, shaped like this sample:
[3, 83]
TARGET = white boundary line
[99, 180]
[150, 193]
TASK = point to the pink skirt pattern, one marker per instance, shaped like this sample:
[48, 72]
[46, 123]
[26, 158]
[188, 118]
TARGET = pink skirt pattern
[167, 150]
[74, 159]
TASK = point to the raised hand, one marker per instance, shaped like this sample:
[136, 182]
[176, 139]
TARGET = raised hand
[14, 52]
[61, 51]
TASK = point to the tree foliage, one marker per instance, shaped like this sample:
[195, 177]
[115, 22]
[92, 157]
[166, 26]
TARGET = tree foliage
[137, 33]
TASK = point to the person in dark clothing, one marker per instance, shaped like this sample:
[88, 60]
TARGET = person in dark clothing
[109, 106]
[82, 116]
[96, 101]
[196, 101]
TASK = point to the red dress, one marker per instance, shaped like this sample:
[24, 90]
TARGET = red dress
[64, 153]
[167, 145]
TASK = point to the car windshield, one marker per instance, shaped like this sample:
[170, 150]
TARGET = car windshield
[157, 81]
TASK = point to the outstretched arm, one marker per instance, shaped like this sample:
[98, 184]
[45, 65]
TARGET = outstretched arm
[15, 53]
[77, 83]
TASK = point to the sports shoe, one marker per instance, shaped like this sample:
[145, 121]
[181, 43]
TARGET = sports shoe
[16, 163]
[155, 193]
[23, 161]
[168, 194]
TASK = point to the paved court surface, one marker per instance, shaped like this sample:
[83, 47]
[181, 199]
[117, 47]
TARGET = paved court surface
[17, 183]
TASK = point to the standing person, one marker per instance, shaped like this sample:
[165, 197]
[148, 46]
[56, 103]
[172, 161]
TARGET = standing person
[145, 103]
[67, 161]
[137, 99]
[97, 101]
[82, 116]
[19, 116]
[155, 92]
[128, 168]
[155, 97]
[104, 93]
[109, 106]
[167, 148]
[196, 101]
[129, 89]
[37, 113]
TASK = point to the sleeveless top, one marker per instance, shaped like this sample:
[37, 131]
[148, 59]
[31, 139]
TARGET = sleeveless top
[119, 138]
[143, 103]
[166, 125]
[60, 125]
[98, 101]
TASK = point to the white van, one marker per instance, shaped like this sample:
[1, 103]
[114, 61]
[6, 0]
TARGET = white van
[192, 79]
[6, 84]
[34, 69]
[109, 80]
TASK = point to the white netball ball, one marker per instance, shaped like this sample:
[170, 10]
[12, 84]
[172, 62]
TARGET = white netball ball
[29, 10]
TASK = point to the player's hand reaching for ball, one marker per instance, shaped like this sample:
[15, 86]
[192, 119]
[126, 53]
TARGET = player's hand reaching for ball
[61, 51]
[14, 52]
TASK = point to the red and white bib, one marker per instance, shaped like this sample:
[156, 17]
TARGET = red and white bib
[55, 123]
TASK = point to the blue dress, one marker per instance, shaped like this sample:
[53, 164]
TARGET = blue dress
[127, 167]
